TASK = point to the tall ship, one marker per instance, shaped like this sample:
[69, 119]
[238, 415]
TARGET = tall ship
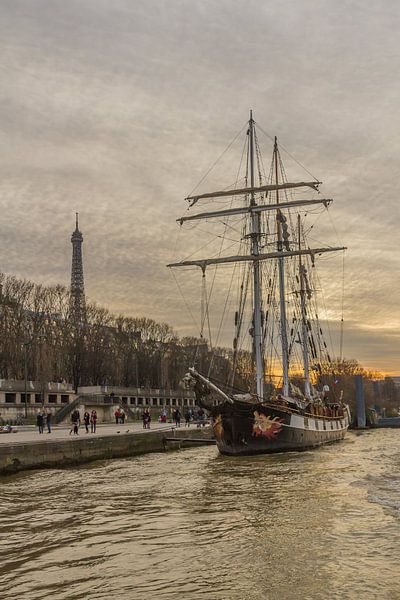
[278, 338]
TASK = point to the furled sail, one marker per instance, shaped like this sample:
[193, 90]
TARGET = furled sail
[254, 209]
[254, 190]
[203, 263]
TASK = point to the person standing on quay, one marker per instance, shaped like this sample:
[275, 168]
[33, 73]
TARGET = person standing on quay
[86, 420]
[48, 421]
[146, 419]
[75, 420]
[40, 421]
[200, 418]
[93, 421]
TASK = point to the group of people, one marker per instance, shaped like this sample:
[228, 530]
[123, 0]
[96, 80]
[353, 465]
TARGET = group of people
[201, 418]
[176, 417]
[44, 418]
[89, 419]
[198, 417]
[120, 416]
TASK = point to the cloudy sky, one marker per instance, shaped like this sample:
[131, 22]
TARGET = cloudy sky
[116, 108]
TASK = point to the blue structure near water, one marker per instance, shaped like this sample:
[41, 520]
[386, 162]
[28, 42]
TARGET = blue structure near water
[360, 402]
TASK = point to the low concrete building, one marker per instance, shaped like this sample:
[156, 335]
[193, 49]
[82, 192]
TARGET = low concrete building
[51, 395]
[142, 397]
[104, 399]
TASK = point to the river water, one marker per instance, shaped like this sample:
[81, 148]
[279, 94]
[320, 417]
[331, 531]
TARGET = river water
[192, 524]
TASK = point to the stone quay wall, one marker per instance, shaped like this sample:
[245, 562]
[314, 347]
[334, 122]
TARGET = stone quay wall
[22, 456]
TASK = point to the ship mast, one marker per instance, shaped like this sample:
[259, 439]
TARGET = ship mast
[281, 271]
[255, 251]
[304, 332]
[256, 254]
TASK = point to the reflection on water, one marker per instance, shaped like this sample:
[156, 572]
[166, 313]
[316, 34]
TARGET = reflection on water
[193, 524]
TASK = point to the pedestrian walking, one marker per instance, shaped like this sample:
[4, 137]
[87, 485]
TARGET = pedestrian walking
[200, 418]
[40, 421]
[177, 417]
[117, 416]
[86, 420]
[48, 421]
[188, 417]
[122, 416]
[93, 421]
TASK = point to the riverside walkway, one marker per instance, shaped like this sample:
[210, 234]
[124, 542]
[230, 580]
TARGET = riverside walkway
[27, 449]
[61, 432]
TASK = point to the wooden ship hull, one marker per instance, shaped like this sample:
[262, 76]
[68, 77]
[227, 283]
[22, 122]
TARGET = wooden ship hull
[243, 429]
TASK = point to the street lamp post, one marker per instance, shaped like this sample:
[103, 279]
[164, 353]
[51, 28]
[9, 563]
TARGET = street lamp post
[138, 338]
[26, 377]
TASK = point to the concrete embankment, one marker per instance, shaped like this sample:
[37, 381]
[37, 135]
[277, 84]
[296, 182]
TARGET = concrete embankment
[388, 422]
[21, 456]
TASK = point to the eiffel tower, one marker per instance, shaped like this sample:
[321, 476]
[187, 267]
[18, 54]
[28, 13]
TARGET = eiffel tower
[77, 284]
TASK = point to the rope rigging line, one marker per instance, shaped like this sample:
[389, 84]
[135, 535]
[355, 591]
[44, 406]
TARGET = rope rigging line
[288, 153]
[218, 159]
[341, 319]
[206, 296]
[228, 296]
[223, 237]
[315, 329]
[244, 278]
[204, 308]
[239, 232]
[184, 300]
[315, 306]
[208, 312]
[270, 334]
[240, 315]
[260, 164]
[203, 312]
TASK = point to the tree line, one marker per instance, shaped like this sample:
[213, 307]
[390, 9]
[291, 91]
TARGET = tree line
[43, 339]
[339, 374]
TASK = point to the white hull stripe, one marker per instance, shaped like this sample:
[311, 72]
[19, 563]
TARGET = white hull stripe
[315, 424]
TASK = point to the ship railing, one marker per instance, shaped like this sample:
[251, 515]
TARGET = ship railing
[292, 410]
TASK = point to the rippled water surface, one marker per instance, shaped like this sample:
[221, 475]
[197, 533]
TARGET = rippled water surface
[193, 524]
